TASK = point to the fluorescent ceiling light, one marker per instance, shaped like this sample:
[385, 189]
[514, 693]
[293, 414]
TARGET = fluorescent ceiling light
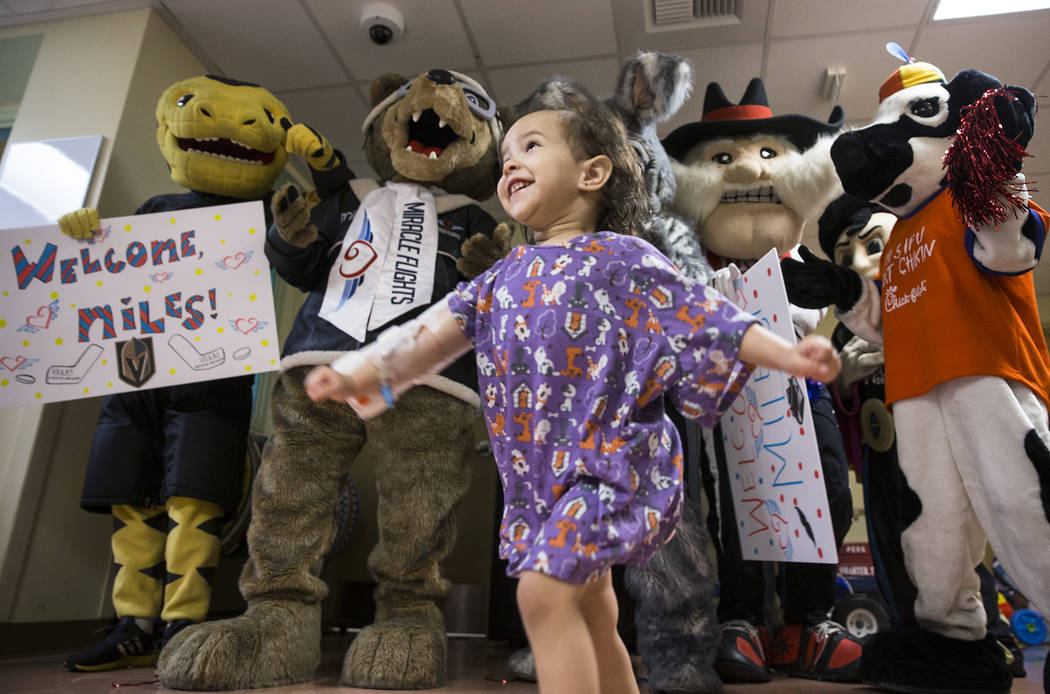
[954, 9]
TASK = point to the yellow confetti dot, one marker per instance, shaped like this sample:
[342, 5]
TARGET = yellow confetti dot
[4, 382]
[105, 361]
[221, 330]
[256, 272]
[98, 284]
[72, 306]
[222, 242]
[251, 297]
[251, 230]
[85, 391]
[196, 338]
[3, 323]
[247, 368]
[229, 294]
[199, 272]
[127, 227]
[5, 292]
[172, 220]
[172, 372]
[109, 384]
[38, 395]
[28, 242]
[273, 361]
[146, 288]
[218, 217]
[25, 343]
[265, 343]
[54, 295]
[58, 340]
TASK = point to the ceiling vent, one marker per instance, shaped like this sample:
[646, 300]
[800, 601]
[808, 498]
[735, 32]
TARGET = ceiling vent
[675, 15]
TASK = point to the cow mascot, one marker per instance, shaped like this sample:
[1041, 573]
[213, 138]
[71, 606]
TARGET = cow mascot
[967, 370]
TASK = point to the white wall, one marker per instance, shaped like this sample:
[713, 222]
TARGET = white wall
[93, 75]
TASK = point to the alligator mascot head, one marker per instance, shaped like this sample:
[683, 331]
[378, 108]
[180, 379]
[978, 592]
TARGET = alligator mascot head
[222, 136]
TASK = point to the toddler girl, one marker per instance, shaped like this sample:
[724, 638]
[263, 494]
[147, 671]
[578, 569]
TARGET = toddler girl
[579, 338]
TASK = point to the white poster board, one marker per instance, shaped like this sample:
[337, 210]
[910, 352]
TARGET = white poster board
[772, 458]
[155, 300]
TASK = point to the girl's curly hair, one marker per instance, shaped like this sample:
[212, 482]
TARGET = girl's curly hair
[592, 128]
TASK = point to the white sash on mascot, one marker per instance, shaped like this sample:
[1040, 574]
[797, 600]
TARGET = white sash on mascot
[386, 264]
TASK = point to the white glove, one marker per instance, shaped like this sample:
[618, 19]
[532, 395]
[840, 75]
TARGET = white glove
[1003, 248]
[860, 359]
[728, 282]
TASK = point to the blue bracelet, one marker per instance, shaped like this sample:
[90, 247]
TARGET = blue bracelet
[388, 393]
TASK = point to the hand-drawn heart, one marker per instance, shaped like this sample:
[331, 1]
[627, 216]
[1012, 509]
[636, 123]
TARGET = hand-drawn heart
[246, 325]
[234, 261]
[358, 256]
[42, 319]
[126, 300]
[215, 315]
[12, 363]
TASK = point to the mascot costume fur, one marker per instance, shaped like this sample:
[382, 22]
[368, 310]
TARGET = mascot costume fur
[748, 180]
[368, 256]
[967, 370]
[168, 462]
[674, 594]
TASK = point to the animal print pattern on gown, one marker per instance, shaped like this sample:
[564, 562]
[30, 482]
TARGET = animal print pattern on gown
[576, 346]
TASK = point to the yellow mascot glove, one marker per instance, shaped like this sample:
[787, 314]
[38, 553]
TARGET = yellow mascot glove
[80, 224]
[309, 144]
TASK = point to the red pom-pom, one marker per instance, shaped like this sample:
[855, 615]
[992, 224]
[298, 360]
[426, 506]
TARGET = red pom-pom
[981, 162]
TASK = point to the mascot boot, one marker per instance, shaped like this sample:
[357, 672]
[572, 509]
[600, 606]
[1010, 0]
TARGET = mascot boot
[433, 140]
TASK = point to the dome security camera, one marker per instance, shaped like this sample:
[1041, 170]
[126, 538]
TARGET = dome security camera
[382, 23]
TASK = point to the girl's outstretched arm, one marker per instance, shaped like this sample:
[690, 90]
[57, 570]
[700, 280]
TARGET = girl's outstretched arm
[813, 357]
[371, 378]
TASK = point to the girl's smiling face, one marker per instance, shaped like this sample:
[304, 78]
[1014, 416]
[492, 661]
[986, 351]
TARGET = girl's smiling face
[540, 178]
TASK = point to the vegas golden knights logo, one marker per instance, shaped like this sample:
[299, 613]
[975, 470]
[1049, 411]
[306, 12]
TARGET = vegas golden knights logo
[135, 361]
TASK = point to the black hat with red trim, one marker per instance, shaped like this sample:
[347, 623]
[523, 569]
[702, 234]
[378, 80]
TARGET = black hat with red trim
[751, 116]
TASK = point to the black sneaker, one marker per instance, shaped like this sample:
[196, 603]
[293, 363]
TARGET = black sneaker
[171, 628]
[126, 645]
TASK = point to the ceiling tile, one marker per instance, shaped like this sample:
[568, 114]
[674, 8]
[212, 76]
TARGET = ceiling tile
[540, 30]
[808, 17]
[512, 84]
[632, 35]
[274, 44]
[434, 38]
[795, 75]
[990, 44]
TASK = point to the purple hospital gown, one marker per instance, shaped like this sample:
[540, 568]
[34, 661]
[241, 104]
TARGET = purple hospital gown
[577, 346]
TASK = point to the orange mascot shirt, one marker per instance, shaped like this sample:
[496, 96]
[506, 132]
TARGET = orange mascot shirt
[943, 317]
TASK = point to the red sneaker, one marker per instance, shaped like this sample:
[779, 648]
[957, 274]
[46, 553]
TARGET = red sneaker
[742, 654]
[824, 651]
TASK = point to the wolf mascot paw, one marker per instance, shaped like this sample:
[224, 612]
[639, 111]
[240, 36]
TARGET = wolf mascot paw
[433, 141]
